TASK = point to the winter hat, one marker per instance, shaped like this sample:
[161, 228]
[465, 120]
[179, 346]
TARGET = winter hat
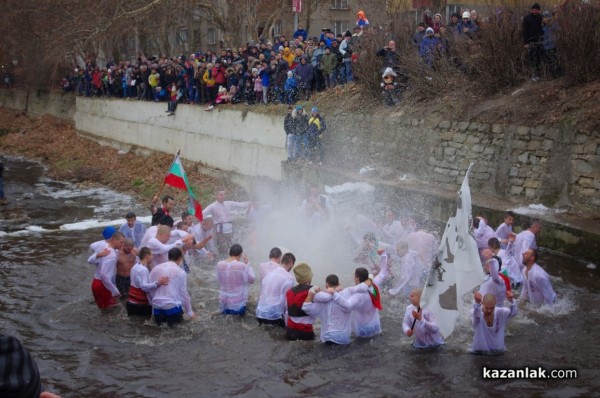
[254, 70]
[108, 232]
[298, 107]
[547, 14]
[290, 73]
[438, 15]
[314, 110]
[466, 14]
[347, 34]
[303, 273]
[536, 6]
[388, 72]
[429, 31]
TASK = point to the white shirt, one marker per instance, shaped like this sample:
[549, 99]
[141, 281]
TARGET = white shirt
[425, 244]
[200, 234]
[490, 339]
[536, 286]
[410, 273]
[234, 278]
[502, 232]
[272, 301]
[221, 212]
[394, 232]
[264, 269]
[174, 293]
[160, 251]
[106, 270]
[98, 246]
[512, 267]
[426, 331]
[494, 285]
[335, 314]
[150, 233]
[140, 278]
[136, 233]
[524, 241]
[365, 317]
[483, 234]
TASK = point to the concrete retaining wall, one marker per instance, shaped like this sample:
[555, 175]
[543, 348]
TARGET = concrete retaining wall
[248, 143]
[39, 103]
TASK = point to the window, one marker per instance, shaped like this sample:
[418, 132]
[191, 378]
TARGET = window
[197, 38]
[182, 37]
[339, 4]
[340, 27]
[212, 36]
[277, 28]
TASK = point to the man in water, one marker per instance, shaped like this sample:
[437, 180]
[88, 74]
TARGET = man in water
[138, 302]
[410, 269]
[420, 322]
[99, 246]
[537, 288]
[125, 262]
[235, 277]
[220, 210]
[202, 231]
[365, 300]
[103, 286]
[133, 229]
[495, 285]
[299, 324]
[273, 263]
[170, 300]
[271, 306]
[504, 232]
[526, 239]
[160, 247]
[334, 311]
[165, 210]
[489, 322]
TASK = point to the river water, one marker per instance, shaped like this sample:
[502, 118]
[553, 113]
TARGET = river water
[46, 302]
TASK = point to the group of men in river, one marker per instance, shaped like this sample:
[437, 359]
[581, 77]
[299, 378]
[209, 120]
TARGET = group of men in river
[148, 269]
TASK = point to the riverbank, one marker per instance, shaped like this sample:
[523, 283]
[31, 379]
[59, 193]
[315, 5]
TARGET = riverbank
[76, 158]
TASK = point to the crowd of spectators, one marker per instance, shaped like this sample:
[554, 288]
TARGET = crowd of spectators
[288, 71]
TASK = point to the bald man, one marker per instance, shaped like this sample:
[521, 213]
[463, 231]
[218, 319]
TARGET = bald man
[537, 288]
[420, 322]
[489, 322]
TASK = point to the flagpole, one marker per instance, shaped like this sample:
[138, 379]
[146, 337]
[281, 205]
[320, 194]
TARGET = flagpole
[155, 197]
[415, 320]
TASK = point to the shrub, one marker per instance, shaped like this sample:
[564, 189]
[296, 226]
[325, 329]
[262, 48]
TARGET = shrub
[489, 62]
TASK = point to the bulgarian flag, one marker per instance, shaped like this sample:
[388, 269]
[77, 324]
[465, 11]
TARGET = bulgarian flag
[177, 179]
[375, 296]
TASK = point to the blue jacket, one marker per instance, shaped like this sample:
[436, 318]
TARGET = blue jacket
[290, 84]
[301, 33]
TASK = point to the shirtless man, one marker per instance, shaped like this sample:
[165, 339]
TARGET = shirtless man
[125, 262]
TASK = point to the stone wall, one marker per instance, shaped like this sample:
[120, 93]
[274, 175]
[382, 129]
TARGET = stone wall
[557, 166]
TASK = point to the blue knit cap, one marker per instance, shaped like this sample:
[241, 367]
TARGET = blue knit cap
[108, 232]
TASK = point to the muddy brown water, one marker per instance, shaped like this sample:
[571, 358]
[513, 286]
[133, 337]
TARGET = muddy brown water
[46, 301]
